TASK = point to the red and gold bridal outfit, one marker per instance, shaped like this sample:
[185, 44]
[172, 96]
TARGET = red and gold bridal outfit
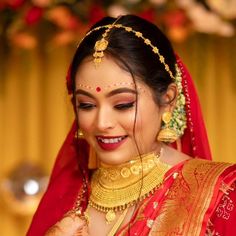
[197, 198]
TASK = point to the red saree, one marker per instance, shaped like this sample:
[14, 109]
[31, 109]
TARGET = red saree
[198, 197]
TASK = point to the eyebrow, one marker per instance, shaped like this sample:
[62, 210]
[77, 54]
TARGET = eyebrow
[110, 94]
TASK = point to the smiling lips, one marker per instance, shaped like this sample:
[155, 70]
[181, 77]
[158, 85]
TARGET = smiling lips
[110, 143]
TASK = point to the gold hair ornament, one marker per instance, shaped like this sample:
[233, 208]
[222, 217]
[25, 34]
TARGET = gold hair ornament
[101, 45]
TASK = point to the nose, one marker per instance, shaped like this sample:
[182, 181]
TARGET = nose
[105, 119]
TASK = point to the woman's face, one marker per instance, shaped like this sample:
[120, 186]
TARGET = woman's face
[107, 104]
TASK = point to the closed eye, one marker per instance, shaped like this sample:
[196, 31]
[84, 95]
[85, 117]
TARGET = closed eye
[124, 106]
[85, 106]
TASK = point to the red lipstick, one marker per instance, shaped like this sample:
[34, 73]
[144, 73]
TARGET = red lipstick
[110, 143]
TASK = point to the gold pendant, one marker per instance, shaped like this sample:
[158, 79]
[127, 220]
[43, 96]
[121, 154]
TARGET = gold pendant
[110, 216]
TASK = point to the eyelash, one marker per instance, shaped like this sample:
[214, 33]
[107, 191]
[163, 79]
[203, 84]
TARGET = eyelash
[122, 106]
[85, 106]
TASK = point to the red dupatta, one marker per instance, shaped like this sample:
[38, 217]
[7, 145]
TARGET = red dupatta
[186, 202]
[70, 170]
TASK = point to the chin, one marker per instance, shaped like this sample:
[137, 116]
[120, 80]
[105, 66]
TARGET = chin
[113, 158]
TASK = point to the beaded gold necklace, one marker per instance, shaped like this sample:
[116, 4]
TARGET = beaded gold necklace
[116, 188]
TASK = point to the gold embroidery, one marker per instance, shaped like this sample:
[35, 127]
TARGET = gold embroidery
[155, 205]
[210, 231]
[150, 223]
[189, 199]
[225, 188]
[225, 207]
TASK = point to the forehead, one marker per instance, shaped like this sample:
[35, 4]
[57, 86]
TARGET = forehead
[108, 73]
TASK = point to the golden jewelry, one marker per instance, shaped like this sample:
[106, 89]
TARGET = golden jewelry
[80, 134]
[101, 45]
[117, 188]
[118, 223]
[167, 134]
[93, 161]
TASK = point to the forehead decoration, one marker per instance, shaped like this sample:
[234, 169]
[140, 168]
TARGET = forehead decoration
[110, 86]
[98, 89]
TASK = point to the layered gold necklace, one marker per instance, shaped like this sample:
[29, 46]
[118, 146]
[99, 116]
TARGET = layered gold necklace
[115, 188]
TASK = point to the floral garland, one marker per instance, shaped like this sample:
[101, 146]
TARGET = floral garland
[178, 121]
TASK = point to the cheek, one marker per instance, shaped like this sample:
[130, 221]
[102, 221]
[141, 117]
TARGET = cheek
[127, 122]
[85, 121]
[148, 120]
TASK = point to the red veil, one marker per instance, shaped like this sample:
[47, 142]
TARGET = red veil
[70, 170]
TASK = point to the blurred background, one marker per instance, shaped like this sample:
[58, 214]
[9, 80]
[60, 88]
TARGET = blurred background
[37, 41]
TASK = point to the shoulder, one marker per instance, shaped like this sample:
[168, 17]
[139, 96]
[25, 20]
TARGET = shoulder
[205, 177]
[201, 166]
[201, 176]
[209, 174]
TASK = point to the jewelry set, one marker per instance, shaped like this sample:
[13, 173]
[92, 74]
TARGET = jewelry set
[117, 188]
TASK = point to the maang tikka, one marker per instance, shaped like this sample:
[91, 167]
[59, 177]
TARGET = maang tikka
[101, 45]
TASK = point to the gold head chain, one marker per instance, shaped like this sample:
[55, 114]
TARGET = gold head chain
[102, 44]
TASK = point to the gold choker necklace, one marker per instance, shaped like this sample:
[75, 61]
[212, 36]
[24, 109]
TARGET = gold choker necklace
[117, 188]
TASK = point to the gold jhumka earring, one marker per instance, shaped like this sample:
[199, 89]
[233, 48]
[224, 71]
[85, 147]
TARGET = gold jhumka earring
[167, 134]
[93, 162]
[80, 134]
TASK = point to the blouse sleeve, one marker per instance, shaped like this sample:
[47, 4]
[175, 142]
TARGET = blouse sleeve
[223, 220]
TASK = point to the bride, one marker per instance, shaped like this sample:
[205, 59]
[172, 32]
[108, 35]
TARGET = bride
[136, 160]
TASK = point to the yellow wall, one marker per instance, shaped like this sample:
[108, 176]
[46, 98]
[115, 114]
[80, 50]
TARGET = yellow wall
[35, 111]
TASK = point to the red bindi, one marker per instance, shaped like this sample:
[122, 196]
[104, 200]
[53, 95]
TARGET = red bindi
[98, 89]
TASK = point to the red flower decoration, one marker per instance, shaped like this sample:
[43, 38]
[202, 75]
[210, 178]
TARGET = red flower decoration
[175, 18]
[148, 14]
[2, 5]
[73, 23]
[96, 14]
[33, 15]
[15, 4]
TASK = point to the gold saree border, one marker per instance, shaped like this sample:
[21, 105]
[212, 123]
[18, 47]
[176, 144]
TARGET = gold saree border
[189, 199]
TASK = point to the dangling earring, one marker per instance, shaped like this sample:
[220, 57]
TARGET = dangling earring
[80, 134]
[92, 161]
[167, 134]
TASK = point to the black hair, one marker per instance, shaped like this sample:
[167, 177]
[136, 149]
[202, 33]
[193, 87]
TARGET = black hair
[131, 53]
